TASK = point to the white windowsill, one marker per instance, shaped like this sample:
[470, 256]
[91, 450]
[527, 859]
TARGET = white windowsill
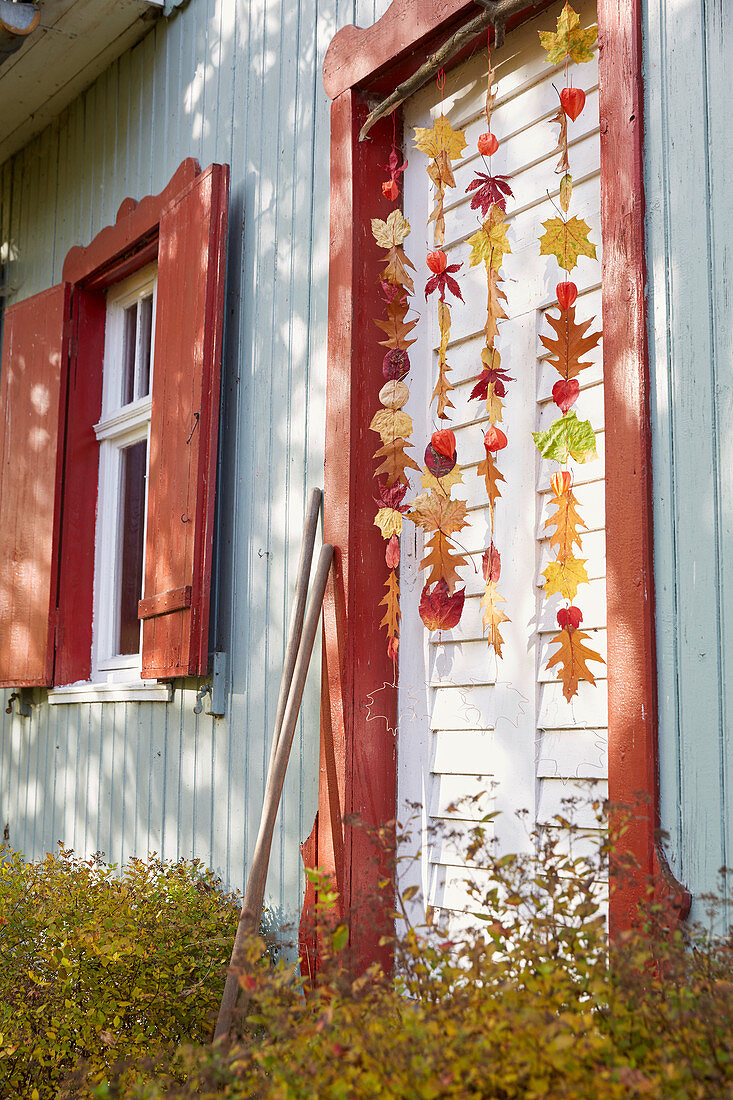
[140, 691]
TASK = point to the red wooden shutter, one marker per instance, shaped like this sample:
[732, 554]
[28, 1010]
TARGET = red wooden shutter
[184, 428]
[32, 415]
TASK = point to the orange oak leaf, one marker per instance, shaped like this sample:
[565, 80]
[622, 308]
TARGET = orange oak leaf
[433, 512]
[567, 521]
[443, 386]
[442, 561]
[489, 470]
[572, 657]
[396, 269]
[396, 461]
[391, 602]
[493, 616]
[494, 309]
[396, 327]
[571, 344]
[440, 610]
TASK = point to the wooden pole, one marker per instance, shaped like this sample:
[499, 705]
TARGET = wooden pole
[255, 890]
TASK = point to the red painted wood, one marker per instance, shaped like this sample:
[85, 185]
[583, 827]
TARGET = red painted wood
[358, 753]
[32, 412]
[134, 222]
[184, 422]
[164, 602]
[80, 484]
[632, 685]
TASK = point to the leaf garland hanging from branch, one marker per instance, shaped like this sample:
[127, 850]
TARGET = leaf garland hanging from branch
[435, 511]
[489, 245]
[567, 239]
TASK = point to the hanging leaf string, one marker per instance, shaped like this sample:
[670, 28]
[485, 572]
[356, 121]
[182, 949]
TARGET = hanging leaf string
[435, 510]
[567, 239]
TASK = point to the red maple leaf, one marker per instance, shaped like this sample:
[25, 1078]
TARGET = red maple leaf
[489, 190]
[490, 374]
[438, 609]
[392, 497]
[444, 281]
[393, 166]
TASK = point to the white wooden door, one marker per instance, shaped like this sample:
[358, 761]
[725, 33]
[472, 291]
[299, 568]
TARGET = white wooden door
[469, 723]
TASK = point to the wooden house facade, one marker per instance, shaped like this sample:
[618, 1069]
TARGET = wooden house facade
[250, 287]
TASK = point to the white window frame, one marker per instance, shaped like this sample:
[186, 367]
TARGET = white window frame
[119, 426]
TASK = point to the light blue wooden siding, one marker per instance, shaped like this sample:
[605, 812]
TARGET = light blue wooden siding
[236, 82]
[689, 174]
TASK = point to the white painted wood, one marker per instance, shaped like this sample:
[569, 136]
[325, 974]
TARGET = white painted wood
[140, 691]
[480, 735]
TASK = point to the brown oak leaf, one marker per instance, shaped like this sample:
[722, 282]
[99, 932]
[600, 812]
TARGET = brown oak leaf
[442, 561]
[489, 470]
[396, 461]
[396, 269]
[572, 657]
[391, 602]
[571, 343]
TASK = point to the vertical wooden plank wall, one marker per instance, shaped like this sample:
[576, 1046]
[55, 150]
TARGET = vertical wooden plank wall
[236, 81]
[689, 165]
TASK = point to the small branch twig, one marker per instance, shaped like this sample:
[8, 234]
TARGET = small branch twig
[496, 12]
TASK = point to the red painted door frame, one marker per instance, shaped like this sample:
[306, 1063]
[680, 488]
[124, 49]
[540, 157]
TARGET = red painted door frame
[358, 742]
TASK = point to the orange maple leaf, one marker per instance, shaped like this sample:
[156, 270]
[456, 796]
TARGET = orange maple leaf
[443, 561]
[567, 522]
[572, 656]
[396, 461]
[571, 343]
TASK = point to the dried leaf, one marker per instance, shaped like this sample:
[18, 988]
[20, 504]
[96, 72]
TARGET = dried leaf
[572, 657]
[489, 190]
[442, 560]
[566, 241]
[443, 386]
[443, 281]
[392, 232]
[489, 470]
[440, 138]
[489, 244]
[491, 564]
[494, 406]
[392, 424]
[494, 310]
[567, 438]
[433, 512]
[392, 603]
[567, 522]
[392, 553]
[441, 174]
[563, 577]
[442, 484]
[389, 522]
[571, 343]
[566, 191]
[396, 269]
[396, 327]
[562, 142]
[396, 461]
[493, 616]
[439, 610]
[570, 39]
[392, 498]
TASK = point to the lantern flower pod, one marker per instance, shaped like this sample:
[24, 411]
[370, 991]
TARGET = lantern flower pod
[573, 101]
[393, 646]
[560, 482]
[495, 440]
[396, 365]
[437, 261]
[567, 294]
[444, 442]
[569, 618]
[392, 553]
[390, 190]
[487, 144]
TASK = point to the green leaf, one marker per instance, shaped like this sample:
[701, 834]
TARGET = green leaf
[567, 438]
[340, 937]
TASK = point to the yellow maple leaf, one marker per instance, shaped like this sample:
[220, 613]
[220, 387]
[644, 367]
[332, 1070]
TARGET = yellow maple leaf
[434, 512]
[566, 241]
[489, 244]
[565, 576]
[389, 522]
[572, 657]
[442, 484]
[493, 616]
[392, 424]
[392, 232]
[440, 138]
[570, 39]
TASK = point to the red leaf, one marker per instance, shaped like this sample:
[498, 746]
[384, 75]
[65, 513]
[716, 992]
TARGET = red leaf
[392, 497]
[489, 374]
[390, 190]
[392, 553]
[438, 464]
[396, 365]
[565, 393]
[491, 564]
[393, 646]
[443, 281]
[489, 190]
[438, 609]
[569, 618]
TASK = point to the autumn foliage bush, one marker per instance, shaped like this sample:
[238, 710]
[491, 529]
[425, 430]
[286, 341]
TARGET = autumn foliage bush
[99, 964]
[533, 1004]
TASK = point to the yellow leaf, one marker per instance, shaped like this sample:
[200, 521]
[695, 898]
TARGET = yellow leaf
[565, 576]
[489, 244]
[392, 232]
[567, 522]
[440, 138]
[437, 513]
[494, 405]
[493, 616]
[389, 522]
[570, 39]
[442, 484]
[566, 241]
[566, 191]
[494, 309]
[392, 424]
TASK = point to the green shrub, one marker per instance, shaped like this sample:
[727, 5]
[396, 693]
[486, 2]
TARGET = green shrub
[533, 1006]
[99, 965]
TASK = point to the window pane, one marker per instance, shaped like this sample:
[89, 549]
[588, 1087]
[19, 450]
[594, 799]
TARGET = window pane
[146, 328]
[132, 528]
[128, 355]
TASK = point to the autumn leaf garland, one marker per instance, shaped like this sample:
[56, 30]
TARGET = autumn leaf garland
[568, 437]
